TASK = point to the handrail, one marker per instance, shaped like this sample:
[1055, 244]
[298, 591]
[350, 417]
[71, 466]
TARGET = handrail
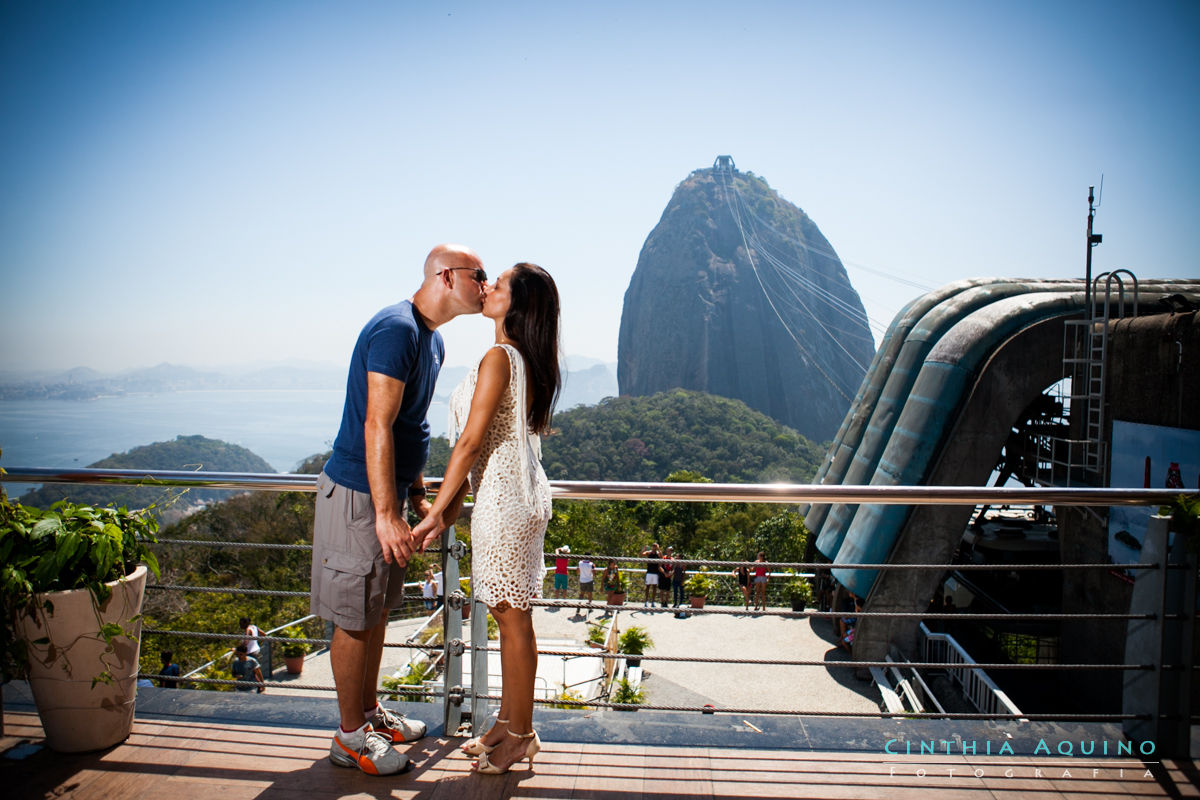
[788, 493]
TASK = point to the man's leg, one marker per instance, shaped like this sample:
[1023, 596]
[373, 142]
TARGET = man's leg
[374, 655]
[348, 655]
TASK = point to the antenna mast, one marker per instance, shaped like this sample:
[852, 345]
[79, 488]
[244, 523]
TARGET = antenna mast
[1093, 239]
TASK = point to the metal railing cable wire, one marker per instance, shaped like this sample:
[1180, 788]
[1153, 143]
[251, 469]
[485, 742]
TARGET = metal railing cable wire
[737, 612]
[828, 664]
[455, 694]
[787, 493]
[276, 639]
[824, 713]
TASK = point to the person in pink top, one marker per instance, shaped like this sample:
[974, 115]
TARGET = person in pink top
[560, 571]
[760, 583]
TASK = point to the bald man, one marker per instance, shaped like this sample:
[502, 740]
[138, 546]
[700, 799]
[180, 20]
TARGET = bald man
[361, 539]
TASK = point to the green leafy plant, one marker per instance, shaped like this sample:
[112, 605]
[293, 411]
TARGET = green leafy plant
[799, 589]
[67, 546]
[568, 699]
[403, 686]
[700, 584]
[1184, 512]
[625, 693]
[294, 649]
[598, 634]
[635, 641]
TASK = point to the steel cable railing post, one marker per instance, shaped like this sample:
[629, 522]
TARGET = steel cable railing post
[480, 688]
[452, 631]
[1143, 692]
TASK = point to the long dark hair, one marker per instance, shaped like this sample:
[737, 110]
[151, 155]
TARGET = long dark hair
[532, 323]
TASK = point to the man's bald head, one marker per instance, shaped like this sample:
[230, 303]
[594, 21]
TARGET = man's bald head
[450, 256]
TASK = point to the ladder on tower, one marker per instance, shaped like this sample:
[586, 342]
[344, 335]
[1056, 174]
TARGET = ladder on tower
[1085, 354]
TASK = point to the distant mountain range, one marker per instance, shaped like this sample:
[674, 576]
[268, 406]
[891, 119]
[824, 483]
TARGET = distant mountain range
[587, 381]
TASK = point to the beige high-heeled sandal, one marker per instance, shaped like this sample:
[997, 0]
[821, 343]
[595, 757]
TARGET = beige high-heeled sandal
[534, 747]
[475, 746]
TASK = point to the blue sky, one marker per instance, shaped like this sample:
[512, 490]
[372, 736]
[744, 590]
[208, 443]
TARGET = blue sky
[213, 183]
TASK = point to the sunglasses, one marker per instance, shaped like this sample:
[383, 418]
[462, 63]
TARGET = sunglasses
[476, 272]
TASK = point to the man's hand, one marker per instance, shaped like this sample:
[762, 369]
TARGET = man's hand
[395, 538]
[421, 507]
[427, 531]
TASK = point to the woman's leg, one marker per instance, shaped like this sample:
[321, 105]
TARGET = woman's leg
[495, 734]
[518, 657]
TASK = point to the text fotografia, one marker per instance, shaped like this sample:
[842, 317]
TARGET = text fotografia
[971, 747]
[1057, 773]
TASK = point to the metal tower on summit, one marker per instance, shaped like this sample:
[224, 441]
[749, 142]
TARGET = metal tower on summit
[724, 163]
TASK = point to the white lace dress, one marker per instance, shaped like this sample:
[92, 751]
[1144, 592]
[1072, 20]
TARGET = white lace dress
[512, 495]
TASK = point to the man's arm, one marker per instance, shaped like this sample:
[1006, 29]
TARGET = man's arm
[383, 404]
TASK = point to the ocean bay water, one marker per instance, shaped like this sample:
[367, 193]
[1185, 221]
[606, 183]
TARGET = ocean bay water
[284, 427]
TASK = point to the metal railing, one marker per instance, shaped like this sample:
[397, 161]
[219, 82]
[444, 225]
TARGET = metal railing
[979, 689]
[456, 700]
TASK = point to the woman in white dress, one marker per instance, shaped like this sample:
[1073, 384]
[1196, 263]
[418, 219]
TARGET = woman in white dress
[497, 414]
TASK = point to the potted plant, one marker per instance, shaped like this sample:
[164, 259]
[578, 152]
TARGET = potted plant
[597, 635]
[799, 592]
[615, 589]
[72, 581]
[634, 642]
[698, 587]
[294, 651]
[626, 696]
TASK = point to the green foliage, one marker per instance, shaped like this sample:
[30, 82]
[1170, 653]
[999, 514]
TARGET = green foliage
[634, 641]
[568, 699]
[65, 547]
[648, 438]
[626, 693]
[1184, 511]
[598, 634]
[294, 649]
[261, 517]
[183, 453]
[699, 584]
[404, 687]
[799, 589]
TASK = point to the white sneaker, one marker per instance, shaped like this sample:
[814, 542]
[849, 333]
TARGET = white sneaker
[367, 750]
[394, 727]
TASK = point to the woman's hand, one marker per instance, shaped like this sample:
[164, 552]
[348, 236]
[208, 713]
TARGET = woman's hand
[426, 531]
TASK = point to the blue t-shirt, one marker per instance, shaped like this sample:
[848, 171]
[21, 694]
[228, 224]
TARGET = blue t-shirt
[397, 344]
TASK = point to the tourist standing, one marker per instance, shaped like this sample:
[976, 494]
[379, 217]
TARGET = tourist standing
[587, 578]
[678, 579]
[742, 573]
[561, 576]
[652, 555]
[760, 583]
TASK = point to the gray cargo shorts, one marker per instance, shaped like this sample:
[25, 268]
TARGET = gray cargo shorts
[352, 586]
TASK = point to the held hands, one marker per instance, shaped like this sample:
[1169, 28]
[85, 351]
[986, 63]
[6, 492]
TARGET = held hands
[395, 538]
[428, 530]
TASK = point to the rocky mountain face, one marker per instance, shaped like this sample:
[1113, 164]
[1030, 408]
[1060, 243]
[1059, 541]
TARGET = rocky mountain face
[737, 293]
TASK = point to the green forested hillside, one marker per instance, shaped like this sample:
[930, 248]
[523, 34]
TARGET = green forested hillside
[197, 453]
[648, 438]
[677, 435]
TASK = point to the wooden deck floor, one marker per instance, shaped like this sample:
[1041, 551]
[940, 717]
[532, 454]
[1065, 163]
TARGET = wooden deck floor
[194, 760]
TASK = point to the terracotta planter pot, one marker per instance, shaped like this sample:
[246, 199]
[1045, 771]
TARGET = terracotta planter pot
[697, 602]
[294, 664]
[616, 598]
[76, 716]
